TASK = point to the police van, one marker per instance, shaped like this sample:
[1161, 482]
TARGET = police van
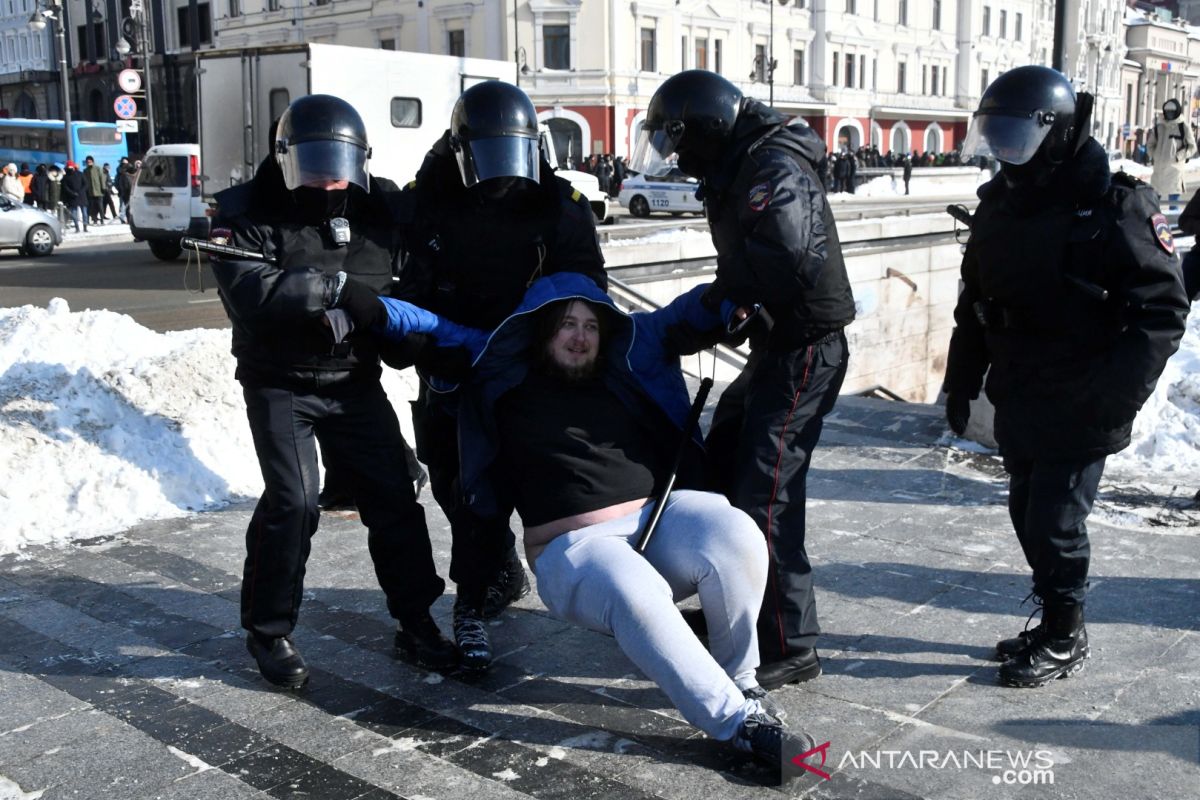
[673, 192]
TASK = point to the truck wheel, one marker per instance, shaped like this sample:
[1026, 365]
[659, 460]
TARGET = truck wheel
[639, 207]
[39, 241]
[165, 249]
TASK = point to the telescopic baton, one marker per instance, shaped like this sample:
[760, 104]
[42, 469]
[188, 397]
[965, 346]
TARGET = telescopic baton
[226, 250]
[660, 502]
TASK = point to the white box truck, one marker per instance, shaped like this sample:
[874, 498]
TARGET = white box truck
[404, 98]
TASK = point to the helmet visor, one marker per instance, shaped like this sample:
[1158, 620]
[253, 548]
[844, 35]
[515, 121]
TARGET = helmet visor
[654, 153]
[1007, 138]
[319, 161]
[498, 157]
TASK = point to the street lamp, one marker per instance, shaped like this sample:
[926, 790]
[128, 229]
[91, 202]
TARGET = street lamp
[767, 65]
[37, 24]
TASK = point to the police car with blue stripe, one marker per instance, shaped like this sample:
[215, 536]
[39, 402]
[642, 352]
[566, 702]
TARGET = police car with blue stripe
[674, 193]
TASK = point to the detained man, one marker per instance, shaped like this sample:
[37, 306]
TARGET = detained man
[579, 409]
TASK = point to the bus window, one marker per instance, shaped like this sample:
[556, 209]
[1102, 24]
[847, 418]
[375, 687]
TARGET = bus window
[97, 135]
[406, 112]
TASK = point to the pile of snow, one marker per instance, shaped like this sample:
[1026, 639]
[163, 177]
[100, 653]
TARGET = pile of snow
[1167, 429]
[104, 423]
[928, 184]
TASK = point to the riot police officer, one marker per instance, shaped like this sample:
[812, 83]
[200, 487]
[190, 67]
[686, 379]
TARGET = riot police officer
[1072, 296]
[484, 218]
[777, 248]
[310, 375]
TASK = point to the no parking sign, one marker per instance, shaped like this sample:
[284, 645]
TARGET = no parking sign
[125, 107]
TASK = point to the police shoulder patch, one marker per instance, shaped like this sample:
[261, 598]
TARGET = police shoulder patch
[1162, 233]
[759, 197]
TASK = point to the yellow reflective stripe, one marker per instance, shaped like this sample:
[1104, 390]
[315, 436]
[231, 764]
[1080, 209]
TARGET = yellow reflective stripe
[411, 184]
[575, 195]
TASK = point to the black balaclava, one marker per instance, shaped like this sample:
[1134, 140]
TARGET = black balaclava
[1172, 109]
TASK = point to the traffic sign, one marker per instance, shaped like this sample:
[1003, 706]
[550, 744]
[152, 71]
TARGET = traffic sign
[125, 106]
[127, 125]
[130, 80]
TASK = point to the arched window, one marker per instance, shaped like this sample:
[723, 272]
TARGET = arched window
[25, 107]
[933, 138]
[901, 138]
[96, 105]
[567, 138]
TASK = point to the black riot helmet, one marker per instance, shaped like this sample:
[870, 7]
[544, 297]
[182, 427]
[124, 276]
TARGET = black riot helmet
[1026, 112]
[322, 138]
[494, 134]
[1172, 109]
[690, 118]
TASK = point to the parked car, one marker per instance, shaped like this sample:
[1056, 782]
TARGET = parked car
[674, 192]
[30, 230]
[166, 204]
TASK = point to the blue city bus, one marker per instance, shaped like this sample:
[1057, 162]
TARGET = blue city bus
[36, 141]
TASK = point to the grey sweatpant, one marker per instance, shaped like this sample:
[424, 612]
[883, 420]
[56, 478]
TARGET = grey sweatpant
[594, 577]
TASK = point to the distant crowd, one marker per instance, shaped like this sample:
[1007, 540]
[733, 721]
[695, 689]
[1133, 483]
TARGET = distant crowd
[86, 196]
[839, 169]
[609, 170]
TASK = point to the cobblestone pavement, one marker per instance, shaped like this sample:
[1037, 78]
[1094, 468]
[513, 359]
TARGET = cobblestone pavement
[123, 673]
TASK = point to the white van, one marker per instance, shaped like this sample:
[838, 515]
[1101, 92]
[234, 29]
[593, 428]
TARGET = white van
[166, 204]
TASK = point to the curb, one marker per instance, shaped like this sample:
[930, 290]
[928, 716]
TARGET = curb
[73, 242]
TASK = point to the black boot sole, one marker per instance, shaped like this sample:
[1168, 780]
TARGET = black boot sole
[1065, 671]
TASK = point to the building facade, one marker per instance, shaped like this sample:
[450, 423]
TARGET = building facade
[902, 75]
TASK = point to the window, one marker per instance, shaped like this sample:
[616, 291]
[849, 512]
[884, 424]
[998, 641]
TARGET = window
[164, 171]
[862, 72]
[902, 12]
[851, 7]
[924, 79]
[387, 44]
[987, 20]
[186, 39]
[98, 48]
[556, 46]
[278, 100]
[1003, 24]
[272, 5]
[1017, 32]
[933, 80]
[456, 43]
[836, 61]
[683, 48]
[97, 135]
[901, 77]
[406, 112]
[760, 63]
[937, 15]
[235, 8]
[701, 61]
[323, 2]
[648, 41]
[717, 56]
[983, 81]
[798, 67]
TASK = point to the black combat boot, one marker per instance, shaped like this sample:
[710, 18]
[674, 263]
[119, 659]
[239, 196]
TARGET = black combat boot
[278, 660]
[1007, 648]
[509, 583]
[419, 640]
[1057, 652]
[470, 634]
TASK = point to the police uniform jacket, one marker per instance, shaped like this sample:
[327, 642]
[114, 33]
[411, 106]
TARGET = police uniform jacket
[776, 240]
[1072, 295]
[279, 335]
[472, 262]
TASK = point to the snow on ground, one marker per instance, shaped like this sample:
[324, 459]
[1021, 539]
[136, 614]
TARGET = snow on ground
[105, 423]
[665, 236]
[1166, 433]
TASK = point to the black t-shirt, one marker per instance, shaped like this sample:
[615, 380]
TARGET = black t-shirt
[568, 448]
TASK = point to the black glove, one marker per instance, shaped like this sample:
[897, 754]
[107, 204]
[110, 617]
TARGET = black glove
[361, 302]
[958, 412]
[683, 339]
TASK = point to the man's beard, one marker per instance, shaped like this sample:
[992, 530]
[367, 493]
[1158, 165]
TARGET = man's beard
[573, 375]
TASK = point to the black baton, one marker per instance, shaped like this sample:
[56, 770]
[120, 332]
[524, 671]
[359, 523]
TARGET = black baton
[227, 250]
[661, 501]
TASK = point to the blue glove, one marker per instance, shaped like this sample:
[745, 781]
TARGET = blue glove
[403, 318]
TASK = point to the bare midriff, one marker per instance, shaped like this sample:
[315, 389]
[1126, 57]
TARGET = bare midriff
[538, 536]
